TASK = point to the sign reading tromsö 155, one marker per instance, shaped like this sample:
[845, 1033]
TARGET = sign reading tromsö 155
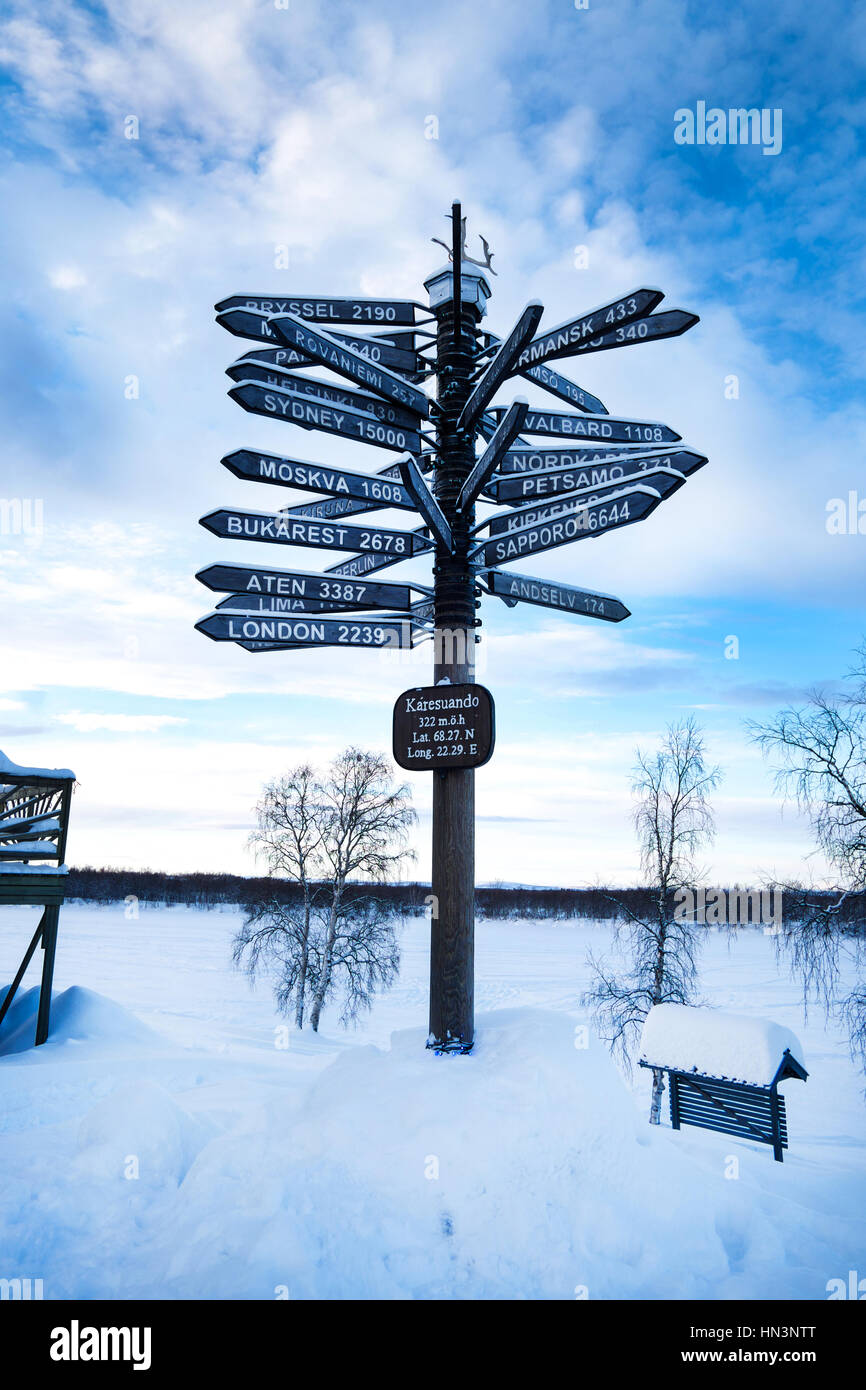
[443, 726]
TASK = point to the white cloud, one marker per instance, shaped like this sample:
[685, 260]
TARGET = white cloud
[119, 723]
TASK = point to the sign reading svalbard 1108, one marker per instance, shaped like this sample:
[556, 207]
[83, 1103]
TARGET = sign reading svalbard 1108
[443, 726]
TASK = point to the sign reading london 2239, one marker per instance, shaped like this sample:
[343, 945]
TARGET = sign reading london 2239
[443, 726]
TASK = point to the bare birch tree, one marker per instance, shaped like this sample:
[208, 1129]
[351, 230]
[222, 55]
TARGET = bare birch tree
[277, 934]
[673, 820]
[819, 752]
[366, 819]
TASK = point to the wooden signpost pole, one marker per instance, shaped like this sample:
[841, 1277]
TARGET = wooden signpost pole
[453, 866]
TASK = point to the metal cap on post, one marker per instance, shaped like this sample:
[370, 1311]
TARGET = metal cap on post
[474, 287]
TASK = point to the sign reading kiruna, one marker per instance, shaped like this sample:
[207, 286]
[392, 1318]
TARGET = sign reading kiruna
[456, 451]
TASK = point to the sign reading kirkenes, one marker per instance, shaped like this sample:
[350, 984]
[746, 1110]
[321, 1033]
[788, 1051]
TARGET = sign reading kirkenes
[443, 726]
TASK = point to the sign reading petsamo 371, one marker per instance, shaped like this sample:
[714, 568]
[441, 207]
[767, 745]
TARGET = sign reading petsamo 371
[443, 726]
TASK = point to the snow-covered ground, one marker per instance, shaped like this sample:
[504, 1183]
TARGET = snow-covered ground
[358, 1165]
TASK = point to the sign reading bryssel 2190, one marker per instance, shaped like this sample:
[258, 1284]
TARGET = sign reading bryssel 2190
[444, 726]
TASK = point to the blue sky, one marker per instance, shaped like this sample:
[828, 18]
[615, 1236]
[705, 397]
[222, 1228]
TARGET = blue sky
[305, 127]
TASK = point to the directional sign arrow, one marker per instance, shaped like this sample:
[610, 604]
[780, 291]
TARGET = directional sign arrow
[424, 500]
[598, 427]
[250, 582]
[246, 323]
[328, 309]
[248, 370]
[345, 361]
[607, 514]
[545, 593]
[530, 487]
[308, 630]
[501, 365]
[523, 462]
[501, 440]
[312, 414]
[664, 481]
[317, 477]
[566, 338]
[284, 530]
[667, 325]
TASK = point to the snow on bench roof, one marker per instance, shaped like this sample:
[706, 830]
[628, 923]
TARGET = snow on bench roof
[731, 1047]
[15, 770]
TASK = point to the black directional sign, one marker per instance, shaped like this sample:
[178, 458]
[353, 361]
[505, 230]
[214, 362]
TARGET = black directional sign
[548, 594]
[286, 530]
[522, 462]
[662, 480]
[565, 340]
[264, 603]
[501, 440]
[598, 428]
[607, 514]
[271, 584]
[418, 491]
[246, 323]
[443, 726]
[308, 631]
[313, 414]
[331, 507]
[667, 325]
[501, 365]
[346, 362]
[533, 487]
[249, 370]
[317, 477]
[323, 308]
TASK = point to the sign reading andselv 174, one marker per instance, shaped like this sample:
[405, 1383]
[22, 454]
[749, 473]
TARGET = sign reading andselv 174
[443, 726]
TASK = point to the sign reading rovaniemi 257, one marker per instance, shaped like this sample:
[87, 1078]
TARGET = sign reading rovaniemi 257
[442, 726]
[423, 384]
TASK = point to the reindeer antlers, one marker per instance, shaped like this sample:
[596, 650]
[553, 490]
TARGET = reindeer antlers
[486, 264]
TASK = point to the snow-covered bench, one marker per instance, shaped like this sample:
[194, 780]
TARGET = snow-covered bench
[34, 824]
[724, 1070]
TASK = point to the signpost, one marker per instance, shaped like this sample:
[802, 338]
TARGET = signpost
[440, 727]
[607, 473]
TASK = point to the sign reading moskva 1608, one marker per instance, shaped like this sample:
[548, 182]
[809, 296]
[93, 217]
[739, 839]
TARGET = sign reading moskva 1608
[443, 726]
